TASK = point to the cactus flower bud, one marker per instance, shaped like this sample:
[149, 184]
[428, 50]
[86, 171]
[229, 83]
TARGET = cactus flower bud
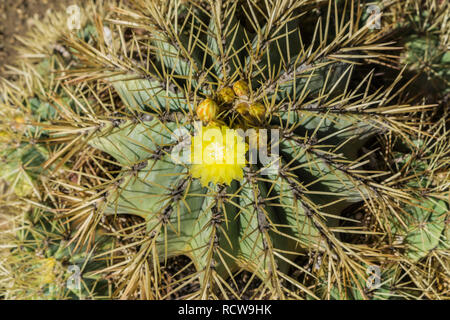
[207, 110]
[241, 88]
[4, 137]
[242, 108]
[257, 110]
[19, 119]
[18, 122]
[226, 95]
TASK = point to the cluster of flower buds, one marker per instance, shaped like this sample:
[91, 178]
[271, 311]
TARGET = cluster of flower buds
[208, 109]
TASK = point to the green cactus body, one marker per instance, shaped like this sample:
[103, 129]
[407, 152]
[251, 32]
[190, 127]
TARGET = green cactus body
[47, 266]
[259, 223]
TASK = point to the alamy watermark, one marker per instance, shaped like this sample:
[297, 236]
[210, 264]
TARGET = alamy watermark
[74, 280]
[374, 20]
[373, 280]
[74, 18]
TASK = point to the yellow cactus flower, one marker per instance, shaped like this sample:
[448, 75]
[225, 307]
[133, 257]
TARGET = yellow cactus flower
[241, 88]
[218, 155]
[207, 110]
[226, 95]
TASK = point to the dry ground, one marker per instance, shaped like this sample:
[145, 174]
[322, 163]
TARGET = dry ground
[16, 18]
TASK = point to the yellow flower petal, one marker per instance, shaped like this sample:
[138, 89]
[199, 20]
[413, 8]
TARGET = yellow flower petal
[220, 162]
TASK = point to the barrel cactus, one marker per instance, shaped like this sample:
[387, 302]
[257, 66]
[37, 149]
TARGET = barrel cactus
[44, 264]
[424, 28]
[238, 134]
